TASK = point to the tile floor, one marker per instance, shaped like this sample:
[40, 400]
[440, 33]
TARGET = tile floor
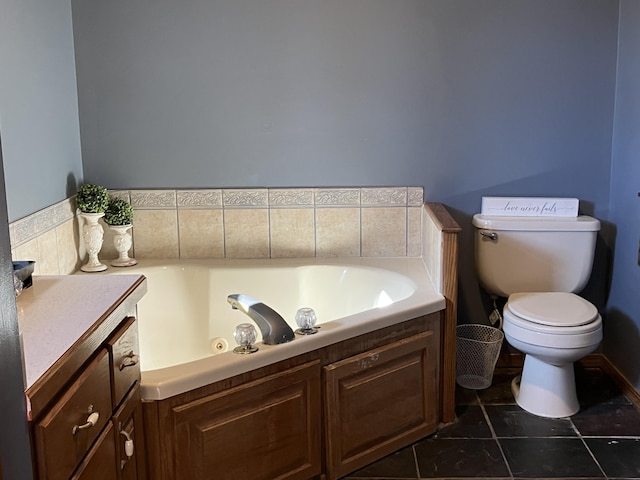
[494, 438]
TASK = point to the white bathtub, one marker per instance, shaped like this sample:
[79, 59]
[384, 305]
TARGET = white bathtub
[186, 325]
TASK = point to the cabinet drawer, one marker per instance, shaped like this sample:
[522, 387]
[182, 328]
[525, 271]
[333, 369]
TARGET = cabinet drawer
[61, 444]
[125, 364]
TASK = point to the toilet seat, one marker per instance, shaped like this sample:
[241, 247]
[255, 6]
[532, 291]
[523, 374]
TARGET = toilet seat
[558, 313]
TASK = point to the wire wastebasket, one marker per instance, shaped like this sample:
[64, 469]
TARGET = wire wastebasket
[477, 351]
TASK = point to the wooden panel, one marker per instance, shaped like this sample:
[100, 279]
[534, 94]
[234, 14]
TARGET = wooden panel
[59, 448]
[448, 283]
[125, 365]
[264, 430]
[379, 401]
[128, 418]
[100, 463]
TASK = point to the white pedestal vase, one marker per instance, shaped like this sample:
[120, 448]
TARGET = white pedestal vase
[122, 242]
[92, 233]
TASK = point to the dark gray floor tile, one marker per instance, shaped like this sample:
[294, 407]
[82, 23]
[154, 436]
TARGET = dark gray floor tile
[500, 390]
[398, 465]
[464, 396]
[513, 421]
[618, 457]
[594, 387]
[470, 423]
[549, 458]
[458, 457]
[608, 420]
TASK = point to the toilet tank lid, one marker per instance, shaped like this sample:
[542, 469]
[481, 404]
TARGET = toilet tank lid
[581, 223]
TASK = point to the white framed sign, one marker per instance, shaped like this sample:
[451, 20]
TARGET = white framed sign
[530, 206]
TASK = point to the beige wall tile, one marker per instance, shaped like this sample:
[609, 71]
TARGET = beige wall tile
[67, 236]
[338, 232]
[29, 251]
[414, 231]
[292, 232]
[431, 245]
[384, 232]
[155, 233]
[48, 253]
[246, 233]
[201, 233]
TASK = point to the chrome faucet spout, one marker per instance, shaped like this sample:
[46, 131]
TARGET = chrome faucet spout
[273, 327]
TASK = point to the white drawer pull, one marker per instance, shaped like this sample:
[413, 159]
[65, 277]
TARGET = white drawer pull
[129, 361]
[91, 422]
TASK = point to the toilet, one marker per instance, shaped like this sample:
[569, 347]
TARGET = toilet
[539, 264]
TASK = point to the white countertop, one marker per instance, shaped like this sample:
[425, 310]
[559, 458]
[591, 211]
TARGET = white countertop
[57, 311]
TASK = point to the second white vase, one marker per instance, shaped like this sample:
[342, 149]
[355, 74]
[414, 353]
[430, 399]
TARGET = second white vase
[122, 242]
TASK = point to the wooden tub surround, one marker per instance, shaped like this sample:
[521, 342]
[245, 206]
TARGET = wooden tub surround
[327, 412]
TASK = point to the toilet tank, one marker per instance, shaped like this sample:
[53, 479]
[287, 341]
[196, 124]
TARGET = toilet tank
[534, 254]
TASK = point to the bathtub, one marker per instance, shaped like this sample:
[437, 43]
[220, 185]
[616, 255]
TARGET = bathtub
[186, 325]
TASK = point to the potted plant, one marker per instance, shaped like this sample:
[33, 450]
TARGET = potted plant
[92, 198]
[119, 212]
[92, 201]
[119, 217]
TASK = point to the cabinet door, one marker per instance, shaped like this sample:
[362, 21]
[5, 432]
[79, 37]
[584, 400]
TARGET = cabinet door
[379, 401]
[268, 429]
[129, 427]
[66, 432]
[100, 463]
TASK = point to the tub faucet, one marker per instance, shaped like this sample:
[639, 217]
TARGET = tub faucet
[273, 327]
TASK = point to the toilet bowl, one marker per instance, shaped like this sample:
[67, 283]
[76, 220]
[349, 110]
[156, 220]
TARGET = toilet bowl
[553, 330]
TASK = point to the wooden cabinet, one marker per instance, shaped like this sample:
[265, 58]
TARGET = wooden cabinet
[83, 435]
[263, 430]
[322, 414]
[379, 401]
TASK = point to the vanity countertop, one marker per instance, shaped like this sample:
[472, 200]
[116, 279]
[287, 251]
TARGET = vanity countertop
[63, 318]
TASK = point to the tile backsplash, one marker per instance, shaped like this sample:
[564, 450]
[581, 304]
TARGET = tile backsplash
[237, 223]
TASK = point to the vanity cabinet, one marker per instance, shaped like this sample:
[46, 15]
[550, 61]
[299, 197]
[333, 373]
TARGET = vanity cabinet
[84, 434]
[85, 408]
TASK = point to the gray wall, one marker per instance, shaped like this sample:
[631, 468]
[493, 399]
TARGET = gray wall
[622, 329]
[38, 104]
[463, 97]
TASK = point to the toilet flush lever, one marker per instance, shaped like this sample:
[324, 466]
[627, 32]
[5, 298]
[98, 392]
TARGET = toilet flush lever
[490, 235]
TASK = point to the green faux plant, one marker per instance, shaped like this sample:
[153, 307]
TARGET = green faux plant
[118, 212]
[92, 198]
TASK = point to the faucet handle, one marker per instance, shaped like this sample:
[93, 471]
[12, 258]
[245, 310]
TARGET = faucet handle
[245, 337]
[306, 319]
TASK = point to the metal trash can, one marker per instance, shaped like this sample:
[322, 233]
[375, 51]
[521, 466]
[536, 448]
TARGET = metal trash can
[477, 351]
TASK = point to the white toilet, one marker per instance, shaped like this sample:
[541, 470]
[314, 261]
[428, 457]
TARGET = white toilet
[539, 263]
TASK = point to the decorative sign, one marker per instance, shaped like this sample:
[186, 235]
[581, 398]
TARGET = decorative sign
[530, 206]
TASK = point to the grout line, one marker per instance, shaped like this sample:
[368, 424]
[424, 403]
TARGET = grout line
[493, 434]
[415, 460]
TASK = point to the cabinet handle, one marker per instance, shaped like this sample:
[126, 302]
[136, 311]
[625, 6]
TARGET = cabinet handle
[128, 444]
[91, 422]
[129, 361]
